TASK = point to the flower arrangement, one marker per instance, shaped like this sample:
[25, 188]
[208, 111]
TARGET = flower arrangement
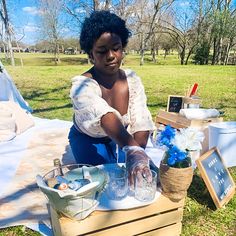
[178, 144]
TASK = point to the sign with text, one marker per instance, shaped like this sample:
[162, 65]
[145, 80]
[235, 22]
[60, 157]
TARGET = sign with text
[175, 103]
[216, 177]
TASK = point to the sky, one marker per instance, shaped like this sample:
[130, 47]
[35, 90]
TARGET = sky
[24, 16]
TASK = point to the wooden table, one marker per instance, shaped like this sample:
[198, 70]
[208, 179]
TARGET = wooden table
[163, 217]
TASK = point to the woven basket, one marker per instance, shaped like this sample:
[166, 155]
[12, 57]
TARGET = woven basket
[175, 181]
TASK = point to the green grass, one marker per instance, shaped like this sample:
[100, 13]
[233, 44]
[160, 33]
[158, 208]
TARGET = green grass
[46, 88]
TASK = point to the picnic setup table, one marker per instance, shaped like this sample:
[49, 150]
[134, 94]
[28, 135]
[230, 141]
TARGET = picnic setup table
[22, 203]
[163, 217]
[31, 152]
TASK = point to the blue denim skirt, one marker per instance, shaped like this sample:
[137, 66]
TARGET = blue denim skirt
[94, 151]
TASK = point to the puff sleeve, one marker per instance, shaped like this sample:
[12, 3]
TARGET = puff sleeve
[140, 117]
[89, 106]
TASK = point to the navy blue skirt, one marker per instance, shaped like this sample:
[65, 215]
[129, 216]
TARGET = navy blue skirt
[93, 151]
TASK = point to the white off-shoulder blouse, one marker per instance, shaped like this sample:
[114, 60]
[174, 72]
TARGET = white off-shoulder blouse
[89, 106]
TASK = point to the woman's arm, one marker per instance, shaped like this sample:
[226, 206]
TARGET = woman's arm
[116, 131]
[137, 161]
[141, 138]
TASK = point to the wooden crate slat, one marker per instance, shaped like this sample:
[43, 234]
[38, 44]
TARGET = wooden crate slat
[109, 218]
[171, 230]
[134, 227]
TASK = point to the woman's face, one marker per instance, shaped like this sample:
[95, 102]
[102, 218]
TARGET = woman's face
[106, 53]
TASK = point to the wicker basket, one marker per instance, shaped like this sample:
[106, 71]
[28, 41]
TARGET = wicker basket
[175, 181]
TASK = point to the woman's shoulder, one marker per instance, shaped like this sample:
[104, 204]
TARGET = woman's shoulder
[132, 78]
[85, 84]
[85, 78]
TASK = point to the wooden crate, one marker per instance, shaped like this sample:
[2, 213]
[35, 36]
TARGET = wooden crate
[178, 121]
[163, 217]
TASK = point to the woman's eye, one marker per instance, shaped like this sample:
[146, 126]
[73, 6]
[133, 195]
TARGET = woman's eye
[101, 52]
[117, 49]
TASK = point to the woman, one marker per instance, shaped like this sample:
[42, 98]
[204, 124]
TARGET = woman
[111, 118]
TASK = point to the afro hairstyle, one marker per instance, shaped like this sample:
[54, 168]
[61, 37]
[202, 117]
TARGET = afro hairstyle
[98, 23]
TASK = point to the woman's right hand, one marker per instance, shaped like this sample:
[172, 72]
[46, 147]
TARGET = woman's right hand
[137, 164]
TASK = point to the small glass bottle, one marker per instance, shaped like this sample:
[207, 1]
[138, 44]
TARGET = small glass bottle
[58, 168]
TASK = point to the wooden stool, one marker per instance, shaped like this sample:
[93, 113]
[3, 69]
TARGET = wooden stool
[163, 217]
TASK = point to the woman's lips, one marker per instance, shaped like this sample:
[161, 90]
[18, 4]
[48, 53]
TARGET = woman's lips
[111, 64]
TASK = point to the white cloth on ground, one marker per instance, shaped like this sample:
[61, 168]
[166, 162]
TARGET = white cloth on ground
[199, 113]
[21, 202]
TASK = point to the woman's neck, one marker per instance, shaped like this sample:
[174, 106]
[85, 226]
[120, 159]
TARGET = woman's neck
[106, 81]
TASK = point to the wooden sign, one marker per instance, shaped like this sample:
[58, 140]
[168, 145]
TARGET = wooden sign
[216, 177]
[175, 103]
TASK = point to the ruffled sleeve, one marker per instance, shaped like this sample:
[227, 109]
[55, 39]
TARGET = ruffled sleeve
[140, 117]
[89, 106]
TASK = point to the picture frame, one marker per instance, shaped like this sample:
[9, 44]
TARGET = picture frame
[216, 176]
[175, 103]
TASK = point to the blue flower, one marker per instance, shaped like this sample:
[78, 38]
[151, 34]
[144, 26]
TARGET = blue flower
[171, 161]
[175, 155]
[166, 136]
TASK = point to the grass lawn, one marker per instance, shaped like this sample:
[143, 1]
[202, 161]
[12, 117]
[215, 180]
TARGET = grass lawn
[46, 88]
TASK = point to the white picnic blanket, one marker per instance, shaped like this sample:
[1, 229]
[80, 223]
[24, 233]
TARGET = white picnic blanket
[29, 154]
[21, 159]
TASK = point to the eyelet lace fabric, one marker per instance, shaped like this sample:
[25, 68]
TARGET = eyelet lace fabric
[89, 106]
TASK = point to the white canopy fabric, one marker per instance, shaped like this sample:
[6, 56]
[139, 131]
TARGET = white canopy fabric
[8, 90]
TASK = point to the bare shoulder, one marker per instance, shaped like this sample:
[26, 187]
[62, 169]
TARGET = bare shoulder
[123, 75]
[88, 74]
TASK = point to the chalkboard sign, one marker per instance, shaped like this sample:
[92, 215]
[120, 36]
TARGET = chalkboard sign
[216, 177]
[175, 103]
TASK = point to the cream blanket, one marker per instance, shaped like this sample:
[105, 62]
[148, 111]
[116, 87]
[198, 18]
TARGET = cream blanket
[22, 203]
[29, 154]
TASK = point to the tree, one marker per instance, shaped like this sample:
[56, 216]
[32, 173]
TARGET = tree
[223, 30]
[8, 30]
[146, 21]
[183, 29]
[52, 24]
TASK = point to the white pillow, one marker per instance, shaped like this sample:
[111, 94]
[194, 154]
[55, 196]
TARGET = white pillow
[7, 124]
[6, 135]
[22, 119]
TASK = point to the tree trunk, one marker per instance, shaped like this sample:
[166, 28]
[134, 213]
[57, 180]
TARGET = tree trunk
[10, 51]
[57, 54]
[226, 59]
[5, 19]
[182, 56]
[142, 57]
[142, 51]
[214, 52]
[219, 54]
[21, 60]
[154, 55]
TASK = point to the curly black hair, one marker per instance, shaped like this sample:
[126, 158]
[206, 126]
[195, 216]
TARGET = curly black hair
[98, 23]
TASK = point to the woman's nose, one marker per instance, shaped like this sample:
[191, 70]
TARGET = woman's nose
[110, 55]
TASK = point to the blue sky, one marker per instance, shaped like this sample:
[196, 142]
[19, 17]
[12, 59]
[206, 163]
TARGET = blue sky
[25, 17]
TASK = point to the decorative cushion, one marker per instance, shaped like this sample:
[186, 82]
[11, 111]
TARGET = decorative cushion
[13, 119]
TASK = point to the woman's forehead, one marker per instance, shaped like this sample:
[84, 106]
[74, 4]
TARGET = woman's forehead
[107, 38]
